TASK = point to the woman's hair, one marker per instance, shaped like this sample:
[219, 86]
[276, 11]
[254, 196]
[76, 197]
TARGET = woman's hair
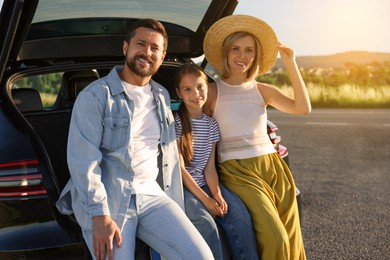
[226, 46]
[185, 144]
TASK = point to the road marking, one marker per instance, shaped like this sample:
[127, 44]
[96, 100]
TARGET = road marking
[327, 123]
[341, 124]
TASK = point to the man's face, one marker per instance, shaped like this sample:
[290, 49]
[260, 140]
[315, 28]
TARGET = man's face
[145, 52]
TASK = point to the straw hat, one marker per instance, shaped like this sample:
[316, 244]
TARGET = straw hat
[215, 36]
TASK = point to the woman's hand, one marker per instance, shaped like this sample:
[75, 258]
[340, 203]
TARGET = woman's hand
[286, 53]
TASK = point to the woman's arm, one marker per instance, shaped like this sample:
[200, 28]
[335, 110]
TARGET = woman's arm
[300, 103]
[209, 106]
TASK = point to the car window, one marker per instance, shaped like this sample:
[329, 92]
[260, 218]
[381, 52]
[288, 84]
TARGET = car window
[48, 86]
[211, 71]
[187, 13]
[208, 68]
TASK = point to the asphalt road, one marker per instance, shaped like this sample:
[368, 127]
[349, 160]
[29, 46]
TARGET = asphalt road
[340, 159]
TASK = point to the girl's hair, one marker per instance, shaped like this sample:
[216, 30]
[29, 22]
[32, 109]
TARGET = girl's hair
[226, 46]
[185, 144]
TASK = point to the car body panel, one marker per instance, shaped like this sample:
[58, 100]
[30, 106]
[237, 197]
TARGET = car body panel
[25, 237]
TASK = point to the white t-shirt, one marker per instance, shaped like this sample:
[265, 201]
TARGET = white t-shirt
[145, 133]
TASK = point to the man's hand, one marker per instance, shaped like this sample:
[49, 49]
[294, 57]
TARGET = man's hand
[104, 232]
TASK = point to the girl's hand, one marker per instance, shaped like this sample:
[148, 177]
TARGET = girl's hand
[213, 207]
[222, 203]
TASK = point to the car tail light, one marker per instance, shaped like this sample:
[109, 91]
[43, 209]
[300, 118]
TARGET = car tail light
[282, 151]
[21, 180]
[275, 139]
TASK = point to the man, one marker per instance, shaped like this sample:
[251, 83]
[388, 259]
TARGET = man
[121, 137]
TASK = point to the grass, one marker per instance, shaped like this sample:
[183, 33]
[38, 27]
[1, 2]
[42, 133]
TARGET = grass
[48, 99]
[346, 96]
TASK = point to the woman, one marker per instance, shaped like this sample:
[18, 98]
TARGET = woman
[241, 48]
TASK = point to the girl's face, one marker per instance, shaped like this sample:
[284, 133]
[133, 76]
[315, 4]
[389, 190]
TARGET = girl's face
[193, 91]
[242, 54]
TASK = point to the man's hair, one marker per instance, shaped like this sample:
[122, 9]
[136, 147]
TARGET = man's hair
[151, 24]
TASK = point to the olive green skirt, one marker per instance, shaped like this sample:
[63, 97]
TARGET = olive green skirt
[266, 186]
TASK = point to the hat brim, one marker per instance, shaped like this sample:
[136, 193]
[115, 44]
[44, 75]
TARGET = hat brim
[216, 35]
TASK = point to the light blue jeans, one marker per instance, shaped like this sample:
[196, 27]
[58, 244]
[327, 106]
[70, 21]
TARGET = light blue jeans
[237, 225]
[163, 225]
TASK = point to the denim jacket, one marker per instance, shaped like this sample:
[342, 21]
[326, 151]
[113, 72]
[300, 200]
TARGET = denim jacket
[99, 152]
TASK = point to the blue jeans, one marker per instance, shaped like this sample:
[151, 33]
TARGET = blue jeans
[237, 225]
[163, 225]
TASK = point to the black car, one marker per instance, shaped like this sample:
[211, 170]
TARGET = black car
[50, 50]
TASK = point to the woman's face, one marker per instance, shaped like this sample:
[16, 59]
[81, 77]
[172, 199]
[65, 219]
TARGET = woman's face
[242, 54]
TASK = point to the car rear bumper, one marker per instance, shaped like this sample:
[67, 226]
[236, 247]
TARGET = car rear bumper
[35, 236]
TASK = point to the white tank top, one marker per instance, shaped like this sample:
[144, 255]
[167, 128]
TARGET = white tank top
[242, 118]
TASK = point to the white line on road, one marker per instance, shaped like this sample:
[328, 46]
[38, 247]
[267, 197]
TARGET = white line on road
[327, 123]
[290, 122]
[339, 124]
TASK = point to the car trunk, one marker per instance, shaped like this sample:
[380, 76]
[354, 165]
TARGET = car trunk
[26, 50]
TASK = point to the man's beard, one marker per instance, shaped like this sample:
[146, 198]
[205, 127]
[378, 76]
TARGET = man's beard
[140, 71]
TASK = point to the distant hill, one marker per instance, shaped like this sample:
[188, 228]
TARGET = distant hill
[339, 59]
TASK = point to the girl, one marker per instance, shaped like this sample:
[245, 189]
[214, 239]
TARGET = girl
[242, 47]
[206, 201]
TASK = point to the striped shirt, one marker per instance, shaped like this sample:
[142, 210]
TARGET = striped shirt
[205, 132]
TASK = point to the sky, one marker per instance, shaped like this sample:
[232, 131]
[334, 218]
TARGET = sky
[324, 27]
